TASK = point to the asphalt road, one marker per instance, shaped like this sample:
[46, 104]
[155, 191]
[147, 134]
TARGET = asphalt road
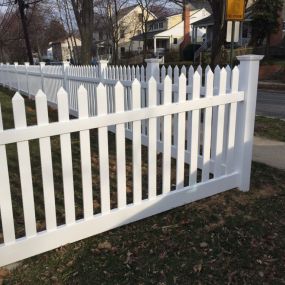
[271, 104]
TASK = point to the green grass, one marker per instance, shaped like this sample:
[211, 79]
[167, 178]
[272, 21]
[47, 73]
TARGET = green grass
[230, 238]
[270, 128]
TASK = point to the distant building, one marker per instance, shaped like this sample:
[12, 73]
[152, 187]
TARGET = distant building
[67, 49]
[129, 23]
[167, 33]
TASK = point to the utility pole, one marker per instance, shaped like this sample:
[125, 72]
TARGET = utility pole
[22, 6]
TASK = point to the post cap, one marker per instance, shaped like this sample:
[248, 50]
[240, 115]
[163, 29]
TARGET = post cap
[104, 61]
[152, 60]
[42, 63]
[250, 57]
[27, 63]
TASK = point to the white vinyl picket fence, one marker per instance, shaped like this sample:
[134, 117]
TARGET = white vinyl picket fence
[207, 128]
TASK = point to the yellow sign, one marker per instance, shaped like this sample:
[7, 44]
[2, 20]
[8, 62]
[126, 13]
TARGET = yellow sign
[235, 10]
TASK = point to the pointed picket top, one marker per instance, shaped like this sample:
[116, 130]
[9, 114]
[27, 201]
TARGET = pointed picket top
[152, 91]
[119, 97]
[142, 73]
[176, 74]
[119, 86]
[196, 85]
[235, 79]
[136, 82]
[138, 74]
[40, 94]
[136, 94]
[183, 70]
[217, 72]
[207, 69]
[182, 88]
[199, 69]
[162, 73]
[167, 96]
[223, 81]
[169, 71]
[41, 108]
[209, 83]
[62, 104]
[82, 102]
[19, 110]
[101, 99]
[229, 75]
[17, 97]
[190, 75]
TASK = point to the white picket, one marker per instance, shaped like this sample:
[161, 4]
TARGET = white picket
[166, 174]
[66, 159]
[25, 167]
[194, 131]
[190, 76]
[220, 124]
[209, 81]
[103, 151]
[217, 72]
[232, 123]
[46, 163]
[181, 134]
[152, 147]
[6, 210]
[137, 159]
[120, 148]
[85, 152]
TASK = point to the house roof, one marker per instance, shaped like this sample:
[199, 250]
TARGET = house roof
[149, 35]
[126, 10]
[209, 21]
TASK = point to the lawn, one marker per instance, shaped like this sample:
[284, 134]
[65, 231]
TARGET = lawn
[270, 128]
[230, 238]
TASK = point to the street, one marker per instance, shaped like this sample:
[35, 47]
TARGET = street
[271, 103]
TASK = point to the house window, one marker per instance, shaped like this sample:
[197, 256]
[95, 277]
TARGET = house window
[139, 32]
[122, 34]
[160, 25]
[175, 41]
[140, 17]
[155, 26]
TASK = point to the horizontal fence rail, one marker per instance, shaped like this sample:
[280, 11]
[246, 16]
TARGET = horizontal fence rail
[132, 151]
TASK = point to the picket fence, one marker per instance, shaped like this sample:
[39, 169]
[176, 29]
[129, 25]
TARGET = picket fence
[207, 128]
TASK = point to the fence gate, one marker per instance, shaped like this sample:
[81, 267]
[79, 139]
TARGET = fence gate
[138, 147]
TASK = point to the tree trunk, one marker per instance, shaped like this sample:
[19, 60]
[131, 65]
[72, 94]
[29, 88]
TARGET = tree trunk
[219, 30]
[84, 14]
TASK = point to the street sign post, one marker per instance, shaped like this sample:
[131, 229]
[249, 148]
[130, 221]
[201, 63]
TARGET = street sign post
[235, 10]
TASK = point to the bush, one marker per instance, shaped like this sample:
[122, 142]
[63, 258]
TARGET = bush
[189, 51]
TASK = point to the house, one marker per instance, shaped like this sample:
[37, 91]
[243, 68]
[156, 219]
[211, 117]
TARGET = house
[66, 49]
[245, 29]
[167, 33]
[130, 25]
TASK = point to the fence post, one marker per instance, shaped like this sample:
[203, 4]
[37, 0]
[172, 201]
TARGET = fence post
[17, 77]
[65, 65]
[27, 64]
[102, 64]
[152, 68]
[248, 82]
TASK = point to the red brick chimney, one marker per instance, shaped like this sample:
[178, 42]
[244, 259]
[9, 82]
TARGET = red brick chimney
[186, 18]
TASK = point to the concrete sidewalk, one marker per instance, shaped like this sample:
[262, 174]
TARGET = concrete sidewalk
[269, 152]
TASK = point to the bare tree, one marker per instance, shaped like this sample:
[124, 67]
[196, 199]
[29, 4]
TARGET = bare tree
[147, 6]
[84, 15]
